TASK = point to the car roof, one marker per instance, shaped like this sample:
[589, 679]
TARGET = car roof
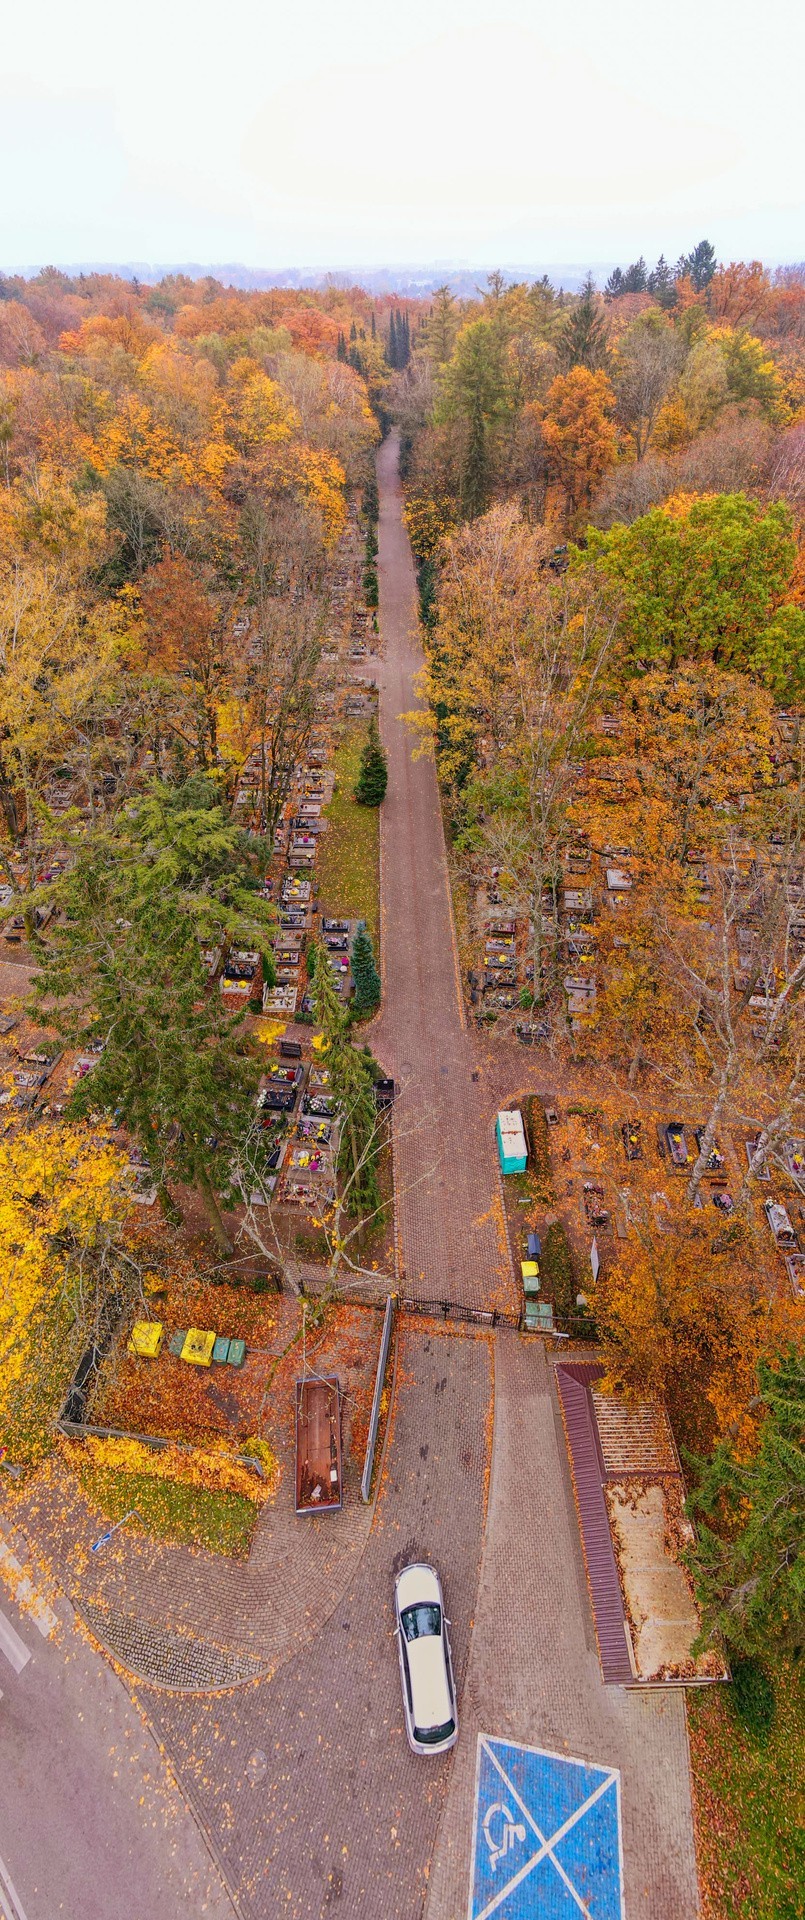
[429, 1685]
[418, 1586]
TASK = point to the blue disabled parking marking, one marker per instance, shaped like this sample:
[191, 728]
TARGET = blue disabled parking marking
[546, 1837]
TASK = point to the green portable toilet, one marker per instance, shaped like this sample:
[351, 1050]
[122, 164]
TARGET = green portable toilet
[510, 1134]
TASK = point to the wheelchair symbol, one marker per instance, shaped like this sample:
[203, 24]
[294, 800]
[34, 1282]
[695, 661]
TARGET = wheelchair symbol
[511, 1832]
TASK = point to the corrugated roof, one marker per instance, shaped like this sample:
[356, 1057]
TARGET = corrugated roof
[573, 1380]
[635, 1437]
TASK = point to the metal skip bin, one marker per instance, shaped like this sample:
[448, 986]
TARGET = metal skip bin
[511, 1141]
[319, 1482]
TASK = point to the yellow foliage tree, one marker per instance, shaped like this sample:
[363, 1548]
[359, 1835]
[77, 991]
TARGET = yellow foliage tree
[63, 1201]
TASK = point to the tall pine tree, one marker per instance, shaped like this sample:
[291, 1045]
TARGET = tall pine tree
[365, 977]
[584, 339]
[373, 776]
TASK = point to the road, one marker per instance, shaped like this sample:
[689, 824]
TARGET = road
[92, 1825]
[447, 1189]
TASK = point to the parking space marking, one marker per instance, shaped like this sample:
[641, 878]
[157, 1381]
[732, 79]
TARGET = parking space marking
[29, 1601]
[12, 1646]
[572, 1809]
[9, 1894]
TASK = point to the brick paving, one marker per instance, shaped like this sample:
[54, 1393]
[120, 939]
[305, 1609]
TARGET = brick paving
[259, 1611]
[534, 1675]
[449, 1209]
[229, 1618]
[165, 1656]
[307, 1781]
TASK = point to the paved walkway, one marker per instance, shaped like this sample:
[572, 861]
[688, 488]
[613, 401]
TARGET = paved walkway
[306, 1781]
[189, 1618]
[91, 1820]
[449, 1209]
[534, 1675]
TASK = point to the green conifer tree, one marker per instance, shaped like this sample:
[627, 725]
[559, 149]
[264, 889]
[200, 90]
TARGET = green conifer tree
[373, 777]
[352, 1076]
[475, 478]
[366, 979]
[584, 340]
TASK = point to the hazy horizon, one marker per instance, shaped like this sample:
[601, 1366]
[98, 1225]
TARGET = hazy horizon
[409, 280]
[439, 136]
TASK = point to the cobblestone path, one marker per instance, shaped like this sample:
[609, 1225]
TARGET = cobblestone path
[534, 1676]
[449, 1209]
[306, 1782]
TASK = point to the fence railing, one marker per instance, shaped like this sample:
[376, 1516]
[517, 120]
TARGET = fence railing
[454, 1310]
[572, 1328]
[374, 1417]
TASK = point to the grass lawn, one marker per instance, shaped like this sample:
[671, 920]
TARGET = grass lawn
[750, 1805]
[348, 863]
[192, 1516]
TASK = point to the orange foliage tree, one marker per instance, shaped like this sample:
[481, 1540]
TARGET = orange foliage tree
[579, 434]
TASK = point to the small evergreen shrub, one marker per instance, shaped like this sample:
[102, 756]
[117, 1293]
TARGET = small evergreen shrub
[365, 976]
[373, 775]
[371, 588]
[557, 1269]
[752, 1698]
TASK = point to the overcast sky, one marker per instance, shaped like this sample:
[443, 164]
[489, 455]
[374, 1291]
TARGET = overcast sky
[333, 133]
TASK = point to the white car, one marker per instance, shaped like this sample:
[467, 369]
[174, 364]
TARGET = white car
[428, 1689]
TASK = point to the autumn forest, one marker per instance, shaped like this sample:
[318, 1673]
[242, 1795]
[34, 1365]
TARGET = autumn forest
[604, 494]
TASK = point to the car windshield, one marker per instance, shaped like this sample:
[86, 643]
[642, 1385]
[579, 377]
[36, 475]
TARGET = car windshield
[417, 1622]
[431, 1736]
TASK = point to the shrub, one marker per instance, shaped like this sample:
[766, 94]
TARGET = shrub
[264, 1283]
[557, 1270]
[371, 588]
[752, 1698]
[536, 1127]
[215, 1468]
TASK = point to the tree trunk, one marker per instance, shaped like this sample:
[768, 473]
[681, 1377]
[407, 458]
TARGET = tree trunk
[169, 1206]
[709, 1134]
[536, 950]
[213, 1211]
[9, 806]
[768, 1137]
[636, 1064]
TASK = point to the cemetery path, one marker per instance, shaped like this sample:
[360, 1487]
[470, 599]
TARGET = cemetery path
[534, 1675]
[450, 1223]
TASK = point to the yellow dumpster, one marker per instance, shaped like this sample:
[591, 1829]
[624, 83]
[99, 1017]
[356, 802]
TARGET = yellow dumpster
[146, 1338]
[198, 1347]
